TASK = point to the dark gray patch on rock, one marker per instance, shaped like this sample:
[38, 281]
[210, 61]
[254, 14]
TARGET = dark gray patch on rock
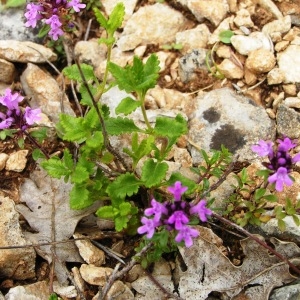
[229, 136]
[211, 115]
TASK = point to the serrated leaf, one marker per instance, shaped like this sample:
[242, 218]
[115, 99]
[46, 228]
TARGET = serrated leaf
[121, 223]
[127, 106]
[85, 95]
[96, 140]
[55, 167]
[79, 175]
[105, 212]
[116, 18]
[153, 172]
[119, 125]
[100, 17]
[79, 197]
[125, 208]
[124, 185]
[73, 73]
[172, 128]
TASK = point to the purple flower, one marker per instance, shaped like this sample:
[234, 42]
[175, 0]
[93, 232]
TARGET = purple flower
[76, 5]
[10, 100]
[263, 148]
[55, 25]
[6, 123]
[33, 14]
[286, 144]
[157, 210]
[296, 158]
[201, 210]
[179, 218]
[148, 227]
[32, 115]
[177, 190]
[186, 234]
[280, 177]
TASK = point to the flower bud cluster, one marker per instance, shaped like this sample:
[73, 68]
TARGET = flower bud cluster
[280, 161]
[54, 13]
[14, 117]
[174, 216]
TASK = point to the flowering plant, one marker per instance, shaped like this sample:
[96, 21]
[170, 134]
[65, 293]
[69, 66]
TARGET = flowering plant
[54, 13]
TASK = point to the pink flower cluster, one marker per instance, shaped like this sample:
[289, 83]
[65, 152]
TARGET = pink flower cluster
[53, 13]
[174, 216]
[280, 159]
[14, 117]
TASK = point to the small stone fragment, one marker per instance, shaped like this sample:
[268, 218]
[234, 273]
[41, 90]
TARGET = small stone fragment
[25, 52]
[95, 275]
[3, 158]
[292, 102]
[17, 161]
[230, 70]
[243, 18]
[7, 71]
[290, 89]
[260, 61]
[271, 7]
[281, 25]
[275, 76]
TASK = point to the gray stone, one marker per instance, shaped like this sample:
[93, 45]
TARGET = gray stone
[149, 25]
[45, 92]
[290, 292]
[25, 52]
[222, 117]
[14, 263]
[289, 63]
[288, 122]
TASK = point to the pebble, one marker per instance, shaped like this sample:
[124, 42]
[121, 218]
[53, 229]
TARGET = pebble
[275, 76]
[282, 25]
[95, 275]
[7, 71]
[230, 70]
[292, 102]
[3, 158]
[17, 161]
[243, 18]
[260, 61]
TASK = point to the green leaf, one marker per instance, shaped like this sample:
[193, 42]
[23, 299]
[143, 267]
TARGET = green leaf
[53, 297]
[296, 220]
[116, 18]
[119, 125]
[153, 172]
[121, 223]
[271, 198]
[281, 225]
[73, 73]
[43, 31]
[37, 154]
[14, 3]
[225, 36]
[55, 167]
[79, 197]
[39, 134]
[79, 175]
[96, 141]
[124, 185]
[105, 212]
[172, 128]
[100, 18]
[127, 106]
[85, 95]
[259, 193]
[125, 208]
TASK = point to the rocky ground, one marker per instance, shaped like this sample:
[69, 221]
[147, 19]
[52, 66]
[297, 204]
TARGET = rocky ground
[250, 92]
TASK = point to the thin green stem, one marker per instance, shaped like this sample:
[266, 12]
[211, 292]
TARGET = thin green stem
[142, 99]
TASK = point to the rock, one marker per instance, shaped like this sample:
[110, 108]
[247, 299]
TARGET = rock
[7, 71]
[35, 291]
[224, 25]
[190, 62]
[193, 38]
[95, 275]
[224, 51]
[281, 46]
[183, 157]
[118, 291]
[289, 292]
[289, 63]
[3, 158]
[12, 26]
[134, 273]
[162, 30]
[282, 25]
[90, 52]
[249, 77]
[45, 92]
[221, 117]
[275, 76]
[243, 18]
[90, 253]
[25, 52]
[65, 291]
[212, 10]
[14, 263]
[129, 7]
[17, 161]
[288, 122]
[271, 7]
[246, 44]
[292, 102]
[230, 70]
[260, 61]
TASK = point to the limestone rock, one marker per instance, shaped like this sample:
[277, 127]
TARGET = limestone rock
[118, 291]
[45, 92]
[95, 275]
[193, 38]
[245, 44]
[7, 71]
[25, 52]
[292, 102]
[275, 76]
[3, 158]
[282, 25]
[260, 61]
[212, 10]
[289, 292]
[149, 25]
[222, 117]
[270, 6]
[230, 70]
[243, 18]
[288, 122]
[14, 263]
[224, 25]
[289, 63]
[17, 161]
